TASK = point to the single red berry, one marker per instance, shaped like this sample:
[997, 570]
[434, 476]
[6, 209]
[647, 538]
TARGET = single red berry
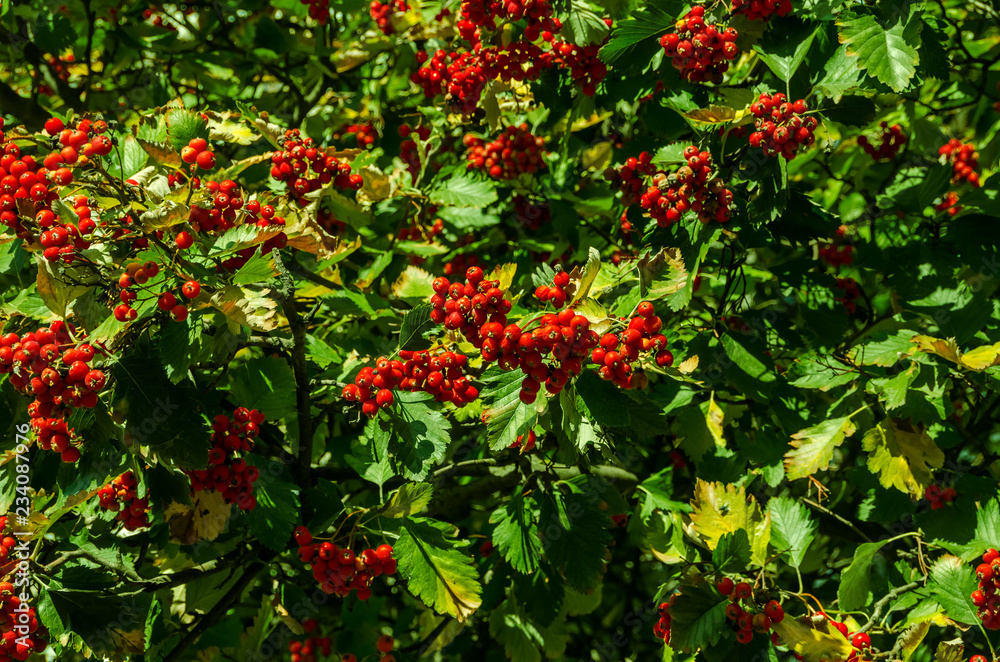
[742, 591]
[861, 641]
[206, 160]
[191, 289]
[725, 586]
[385, 643]
[184, 240]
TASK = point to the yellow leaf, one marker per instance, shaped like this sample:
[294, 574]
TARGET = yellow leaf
[414, 282]
[911, 639]
[688, 365]
[585, 280]
[375, 186]
[677, 274]
[718, 115]
[231, 129]
[597, 156]
[812, 448]
[505, 274]
[249, 307]
[167, 214]
[902, 457]
[982, 358]
[978, 359]
[720, 509]
[714, 421]
[56, 294]
[813, 638]
[595, 313]
[952, 650]
[205, 521]
[162, 153]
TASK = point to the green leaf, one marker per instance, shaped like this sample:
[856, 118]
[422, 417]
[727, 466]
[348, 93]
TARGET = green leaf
[277, 509]
[952, 583]
[409, 499]
[732, 552]
[792, 528]
[574, 535]
[988, 523]
[642, 25]
[699, 617]
[435, 570]
[370, 455]
[184, 125]
[422, 435]
[416, 322]
[515, 534]
[464, 191]
[888, 54]
[854, 581]
[812, 448]
[266, 384]
[256, 270]
[606, 403]
[506, 417]
[786, 58]
[582, 26]
[842, 75]
[128, 159]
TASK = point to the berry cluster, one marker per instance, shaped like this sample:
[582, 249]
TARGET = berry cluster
[7, 539]
[228, 474]
[307, 651]
[460, 77]
[585, 69]
[964, 159]
[440, 374]
[616, 352]
[985, 597]
[839, 253]
[628, 178]
[479, 16]
[56, 370]
[780, 125]
[525, 446]
[121, 496]
[408, 151]
[762, 10]
[939, 498]
[514, 152]
[892, 138]
[135, 274]
[518, 61]
[477, 307]
[197, 153]
[14, 646]
[299, 156]
[382, 13]
[168, 302]
[700, 51]
[851, 293]
[338, 570]
[744, 616]
[555, 293]
[661, 629]
[319, 10]
[364, 133]
[551, 354]
[690, 187]
[949, 203]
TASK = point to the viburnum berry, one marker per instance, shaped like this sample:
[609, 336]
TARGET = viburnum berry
[228, 473]
[780, 125]
[306, 168]
[700, 51]
[385, 643]
[892, 141]
[861, 641]
[184, 240]
[525, 446]
[964, 159]
[191, 289]
[382, 13]
[742, 591]
[725, 586]
[516, 151]
[762, 10]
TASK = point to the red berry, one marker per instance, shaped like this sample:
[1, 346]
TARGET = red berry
[861, 640]
[191, 289]
[184, 240]
[206, 160]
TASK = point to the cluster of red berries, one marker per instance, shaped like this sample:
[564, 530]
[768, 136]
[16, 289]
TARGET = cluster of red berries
[939, 498]
[744, 616]
[168, 302]
[14, 646]
[364, 133]
[555, 293]
[661, 629]
[964, 159]
[339, 570]
[551, 354]
[892, 138]
[479, 16]
[839, 253]
[382, 13]
[415, 232]
[518, 61]
[985, 597]
[56, 370]
[949, 203]
[469, 307]
[700, 51]
[585, 69]
[197, 153]
[228, 474]
[7, 540]
[121, 496]
[781, 129]
[515, 151]
[319, 10]
[860, 641]
[850, 293]
[530, 215]
[299, 156]
[525, 446]
[459, 77]
[440, 374]
[762, 10]
[135, 274]
[307, 651]
[628, 177]
[616, 352]
[690, 187]
[408, 151]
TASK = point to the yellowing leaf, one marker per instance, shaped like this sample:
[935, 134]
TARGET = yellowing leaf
[911, 639]
[812, 448]
[902, 457]
[714, 421]
[677, 274]
[376, 185]
[167, 214]
[505, 274]
[718, 115]
[688, 365]
[597, 156]
[720, 509]
[56, 294]
[253, 308]
[414, 282]
[205, 521]
[814, 639]
[586, 279]
[162, 153]
[230, 128]
[978, 359]
[982, 358]
[952, 650]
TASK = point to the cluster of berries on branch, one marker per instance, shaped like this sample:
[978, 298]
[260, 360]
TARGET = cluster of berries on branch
[742, 611]
[850, 293]
[514, 152]
[700, 51]
[382, 13]
[310, 649]
[198, 154]
[477, 17]
[7, 540]
[121, 495]
[964, 159]
[839, 253]
[364, 133]
[339, 570]
[762, 10]
[56, 369]
[458, 76]
[939, 498]
[780, 125]
[460, 264]
[585, 69]
[227, 473]
[949, 203]
[168, 301]
[892, 141]
[985, 597]
[661, 629]
[15, 644]
[555, 293]
[691, 187]
[300, 157]
[319, 10]
[616, 352]
[470, 306]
